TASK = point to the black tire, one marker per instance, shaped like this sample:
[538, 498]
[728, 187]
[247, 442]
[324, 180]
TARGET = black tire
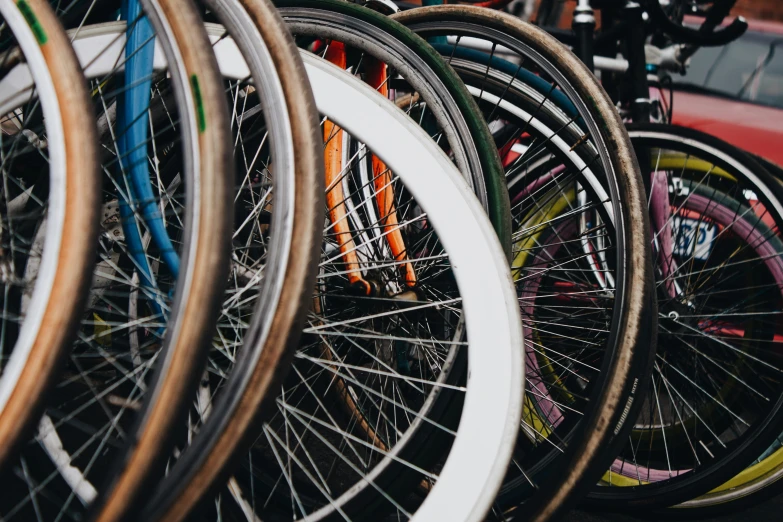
[746, 448]
[627, 362]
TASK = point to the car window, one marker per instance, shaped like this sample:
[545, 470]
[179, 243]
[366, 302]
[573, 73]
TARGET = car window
[749, 69]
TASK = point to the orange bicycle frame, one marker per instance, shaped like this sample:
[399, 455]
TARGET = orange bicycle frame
[382, 180]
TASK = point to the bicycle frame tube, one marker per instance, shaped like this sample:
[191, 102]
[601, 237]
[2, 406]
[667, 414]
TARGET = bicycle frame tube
[583, 24]
[335, 195]
[384, 191]
[382, 182]
[639, 89]
[133, 125]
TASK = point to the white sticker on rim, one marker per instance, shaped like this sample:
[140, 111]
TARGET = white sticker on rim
[693, 237]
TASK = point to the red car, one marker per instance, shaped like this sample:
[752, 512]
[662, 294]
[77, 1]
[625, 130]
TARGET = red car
[735, 92]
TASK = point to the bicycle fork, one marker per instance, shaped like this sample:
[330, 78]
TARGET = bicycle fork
[382, 184]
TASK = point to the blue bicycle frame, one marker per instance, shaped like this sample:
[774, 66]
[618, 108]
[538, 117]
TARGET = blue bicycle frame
[133, 137]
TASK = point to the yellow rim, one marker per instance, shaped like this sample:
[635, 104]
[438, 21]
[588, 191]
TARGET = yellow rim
[678, 161]
[535, 219]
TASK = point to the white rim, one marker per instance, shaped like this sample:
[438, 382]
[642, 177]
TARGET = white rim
[491, 414]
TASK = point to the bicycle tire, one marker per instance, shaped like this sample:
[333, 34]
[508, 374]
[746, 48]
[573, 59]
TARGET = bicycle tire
[277, 324]
[483, 160]
[206, 260]
[682, 488]
[237, 72]
[487, 158]
[60, 295]
[204, 125]
[631, 360]
[342, 92]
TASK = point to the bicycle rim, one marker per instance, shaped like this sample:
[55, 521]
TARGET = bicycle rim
[550, 101]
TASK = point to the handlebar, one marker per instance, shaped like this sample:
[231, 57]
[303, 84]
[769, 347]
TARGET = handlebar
[705, 36]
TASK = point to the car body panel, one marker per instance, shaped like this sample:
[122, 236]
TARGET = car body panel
[754, 128]
[749, 125]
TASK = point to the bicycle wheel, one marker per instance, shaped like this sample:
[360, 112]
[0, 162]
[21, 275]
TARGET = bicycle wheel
[411, 71]
[49, 212]
[417, 79]
[398, 337]
[160, 270]
[227, 61]
[278, 225]
[758, 482]
[714, 402]
[174, 487]
[581, 272]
